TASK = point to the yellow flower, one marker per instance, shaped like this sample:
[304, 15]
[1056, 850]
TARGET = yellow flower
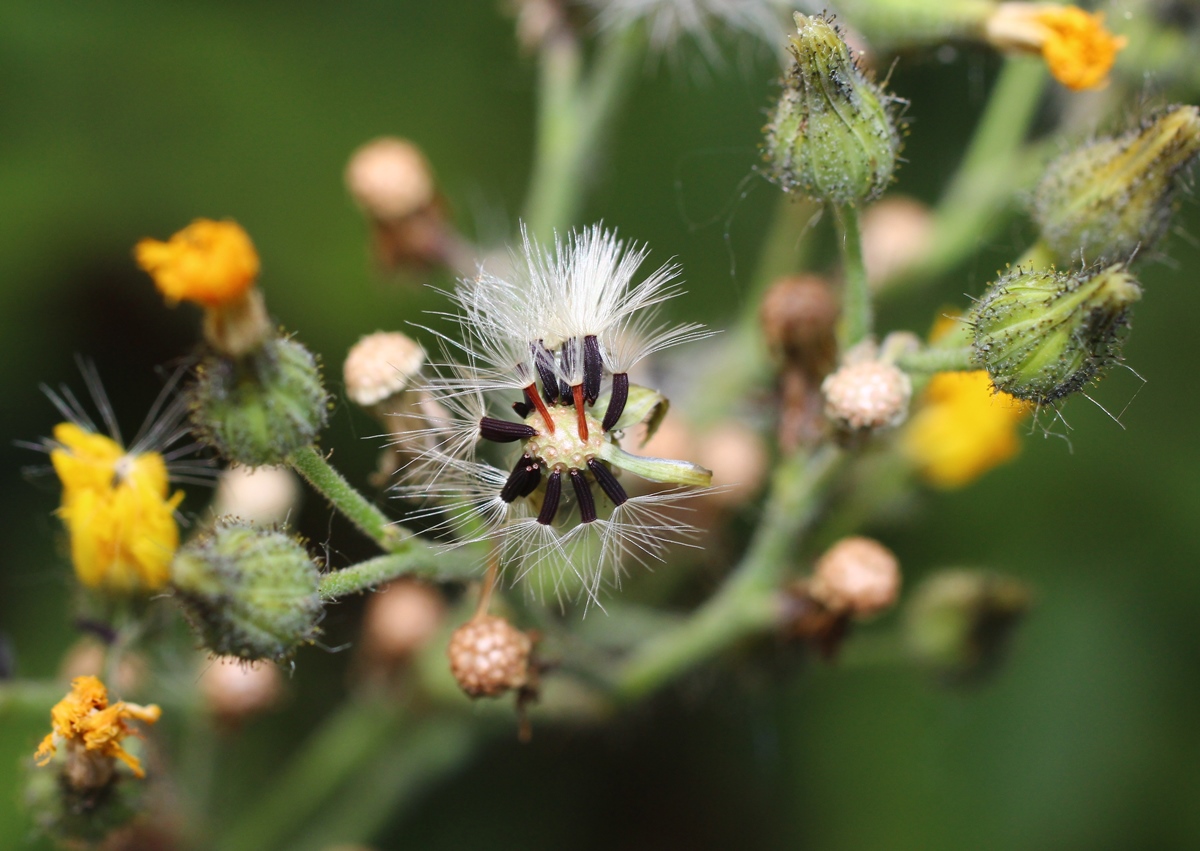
[1077, 48]
[963, 429]
[117, 510]
[84, 719]
[210, 263]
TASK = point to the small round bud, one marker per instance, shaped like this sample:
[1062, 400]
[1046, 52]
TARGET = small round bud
[235, 690]
[261, 408]
[867, 395]
[381, 365]
[858, 576]
[248, 592]
[263, 495]
[401, 619]
[489, 656]
[1115, 196]
[958, 622]
[896, 232]
[1043, 335]
[832, 136]
[799, 317]
[390, 179]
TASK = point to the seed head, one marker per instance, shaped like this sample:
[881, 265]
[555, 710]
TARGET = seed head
[390, 179]
[489, 656]
[867, 396]
[799, 316]
[858, 576]
[381, 365]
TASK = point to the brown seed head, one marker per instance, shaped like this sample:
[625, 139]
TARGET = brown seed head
[489, 656]
[799, 314]
[858, 576]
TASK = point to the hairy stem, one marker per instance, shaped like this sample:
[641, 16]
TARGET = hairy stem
[319, 473]
[856, 322]
[747, 602]
[419, 560]
[933, 359]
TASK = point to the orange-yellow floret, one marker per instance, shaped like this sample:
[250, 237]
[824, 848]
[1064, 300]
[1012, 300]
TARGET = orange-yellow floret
[208, 262]
[1077, 48]
[117, 510]
[85, 718]
[963, 428]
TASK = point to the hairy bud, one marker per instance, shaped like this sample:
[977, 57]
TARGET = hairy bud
[248, 592]
[1115, 196]
[833, 136]
[1042, 335]
[959, 621]
[259, 409]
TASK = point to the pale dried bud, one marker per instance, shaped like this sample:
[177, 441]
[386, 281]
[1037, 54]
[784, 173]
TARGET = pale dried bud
[858, 576]
[401, 619]
[738, 459]
[390, 179]
[235, 689]
[896, 232]
[866, 396]
[262, 495]
[381, 365]
[489, 656]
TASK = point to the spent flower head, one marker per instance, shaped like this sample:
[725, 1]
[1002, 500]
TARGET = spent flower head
[1077, 48]
[563, 332]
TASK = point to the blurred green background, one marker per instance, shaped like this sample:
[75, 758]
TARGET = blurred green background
[124, 119]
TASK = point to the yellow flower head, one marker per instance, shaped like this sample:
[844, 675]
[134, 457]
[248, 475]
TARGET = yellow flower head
[210, 263]
[117, 510]
[963, 429]
[1078, 50]
[85, 719]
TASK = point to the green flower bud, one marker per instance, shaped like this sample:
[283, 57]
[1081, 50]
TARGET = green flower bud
[958, 622]
[833, 136]
[1043, 334]
[1107, 199]
[248, 592]
[80, 815]
[260, 408]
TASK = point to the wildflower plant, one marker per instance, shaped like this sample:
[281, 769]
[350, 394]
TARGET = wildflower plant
[532, 459]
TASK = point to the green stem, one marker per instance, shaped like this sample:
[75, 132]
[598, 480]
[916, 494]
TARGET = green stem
[573, 119]
[332, 755]
[995, 167]
[958, 359]
[856, 321]
[421, 561]
[318, 472]
[747, 602]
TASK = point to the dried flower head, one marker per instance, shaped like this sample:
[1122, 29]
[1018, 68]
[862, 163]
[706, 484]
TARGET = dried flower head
[381, 365]
[86, 722]
[563, 333]
[1077, 48]
[867, 395]
[858, 576]
[390, 178]
[489, 656]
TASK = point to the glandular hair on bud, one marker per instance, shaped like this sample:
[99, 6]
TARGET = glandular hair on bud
[1043, 334]
[260, 408]
[249, 592]
[833, 135]
[1115, 196]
